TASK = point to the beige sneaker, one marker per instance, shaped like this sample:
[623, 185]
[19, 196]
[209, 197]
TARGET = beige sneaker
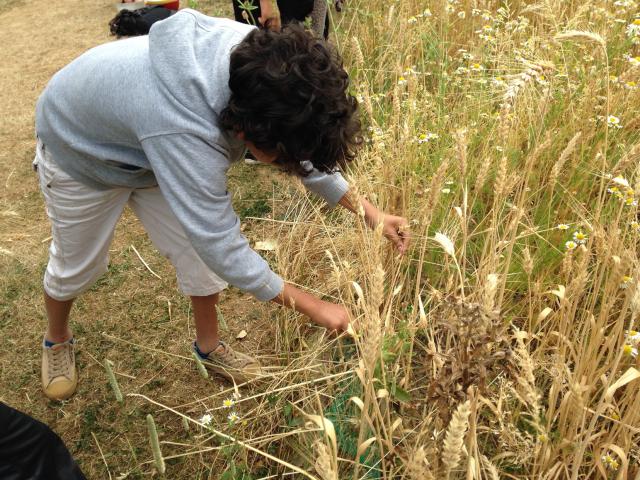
[59, 377]
[231, 364]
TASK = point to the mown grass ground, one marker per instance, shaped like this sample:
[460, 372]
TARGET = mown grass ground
[139, 322]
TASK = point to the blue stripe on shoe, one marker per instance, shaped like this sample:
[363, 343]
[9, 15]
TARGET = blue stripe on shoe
[49, 344]
[203, 356]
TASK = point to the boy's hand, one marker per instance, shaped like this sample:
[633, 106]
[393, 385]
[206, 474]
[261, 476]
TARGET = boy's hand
[331, 316]
[396, 229]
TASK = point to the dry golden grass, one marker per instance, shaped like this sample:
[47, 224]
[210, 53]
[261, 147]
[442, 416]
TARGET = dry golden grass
[492, 350]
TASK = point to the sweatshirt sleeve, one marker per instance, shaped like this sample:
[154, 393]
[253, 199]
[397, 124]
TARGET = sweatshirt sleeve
[191, 173]
[330, 186]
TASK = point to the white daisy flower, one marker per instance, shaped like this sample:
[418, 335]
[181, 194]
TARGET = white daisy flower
[206, 419]
[630, 351]
[633, 29]
[613, 122]
[580, 237]
[571, 245]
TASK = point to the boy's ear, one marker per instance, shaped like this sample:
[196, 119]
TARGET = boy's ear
[240, 135]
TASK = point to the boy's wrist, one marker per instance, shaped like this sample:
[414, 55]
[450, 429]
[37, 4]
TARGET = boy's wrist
[355, 203]
[372, 215]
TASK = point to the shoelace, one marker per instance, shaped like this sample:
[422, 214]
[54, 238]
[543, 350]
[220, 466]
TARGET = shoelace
[231, 356]
[58, 366]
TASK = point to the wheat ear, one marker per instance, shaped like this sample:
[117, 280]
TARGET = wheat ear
[454, 439]
[113, 381]
[155, 445]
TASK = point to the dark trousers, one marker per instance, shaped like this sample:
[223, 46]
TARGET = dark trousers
[290, 11]
[29, 450]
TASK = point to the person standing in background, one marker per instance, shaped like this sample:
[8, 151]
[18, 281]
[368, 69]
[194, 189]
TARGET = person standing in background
[273, 14]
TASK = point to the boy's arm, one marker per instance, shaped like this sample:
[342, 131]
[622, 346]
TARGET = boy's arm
[326, 314]
[335, 190]
[329, 186]
[191, 173]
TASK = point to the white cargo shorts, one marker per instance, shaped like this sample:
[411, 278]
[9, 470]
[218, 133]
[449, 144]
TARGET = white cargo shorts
[83, 221]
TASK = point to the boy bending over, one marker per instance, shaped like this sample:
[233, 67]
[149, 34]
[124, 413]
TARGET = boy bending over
[155, 122]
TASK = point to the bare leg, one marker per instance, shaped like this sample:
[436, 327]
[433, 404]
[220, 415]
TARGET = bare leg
[206, 318]
[58, 315]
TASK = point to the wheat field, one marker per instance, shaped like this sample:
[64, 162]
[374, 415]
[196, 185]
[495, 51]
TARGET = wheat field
[503, 345]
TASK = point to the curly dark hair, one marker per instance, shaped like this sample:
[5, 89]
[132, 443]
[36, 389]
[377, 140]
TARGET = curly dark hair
[289, 96]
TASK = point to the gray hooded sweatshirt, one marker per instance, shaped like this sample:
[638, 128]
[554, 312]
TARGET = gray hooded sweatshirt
[153, 102]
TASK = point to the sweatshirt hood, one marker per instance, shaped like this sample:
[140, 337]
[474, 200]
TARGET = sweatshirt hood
[189, 54]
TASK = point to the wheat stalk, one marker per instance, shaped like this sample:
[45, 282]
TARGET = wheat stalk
[417, 465]
[454, 438]
[357, 52]
[435, 187]
[108, 366]
[481, 175]
[155, 445]
[462, 145]
[581, 35]
[489, 292]
[630, 156]
[500, 184]
[490, 469]
[566, 153]
[324, 465]
[199, 366]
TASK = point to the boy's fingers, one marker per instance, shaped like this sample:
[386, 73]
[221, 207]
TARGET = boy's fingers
[404, 235]
[396, 238]
[404, 243]
[397, 231]
[392, 235]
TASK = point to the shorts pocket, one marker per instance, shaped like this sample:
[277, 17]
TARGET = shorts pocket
[50, 173]
[46, 171]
